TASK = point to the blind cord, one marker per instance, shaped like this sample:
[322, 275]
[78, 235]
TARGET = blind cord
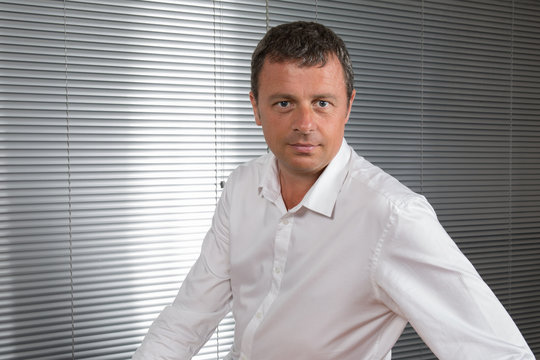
[216, 135]
[510, 160]
[266, 14]
[70, 235]
[422, 101]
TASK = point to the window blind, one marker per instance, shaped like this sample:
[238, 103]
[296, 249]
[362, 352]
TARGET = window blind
[524, 289]
[35, 283]
[120, 120]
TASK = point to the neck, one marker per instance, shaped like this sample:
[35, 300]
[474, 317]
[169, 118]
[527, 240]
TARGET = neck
[295, 186]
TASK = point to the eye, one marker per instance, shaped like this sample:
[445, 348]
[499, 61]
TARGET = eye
[323, 103]
[283, 104]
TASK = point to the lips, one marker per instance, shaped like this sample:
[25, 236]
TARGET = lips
[303, 148]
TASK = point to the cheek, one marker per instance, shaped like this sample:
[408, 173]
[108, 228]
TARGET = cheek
[275, 134]
[272, 133]
[332, 125]
[274, 124]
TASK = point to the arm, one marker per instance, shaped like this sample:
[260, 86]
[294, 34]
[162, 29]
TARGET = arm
[203, 300]
[424, 277]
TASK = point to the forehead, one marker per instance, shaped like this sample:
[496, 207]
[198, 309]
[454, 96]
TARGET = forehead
[294, 76]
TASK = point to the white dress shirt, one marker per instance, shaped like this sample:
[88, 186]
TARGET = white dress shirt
[337, 277]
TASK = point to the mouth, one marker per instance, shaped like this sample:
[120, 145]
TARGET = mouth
[303, 148]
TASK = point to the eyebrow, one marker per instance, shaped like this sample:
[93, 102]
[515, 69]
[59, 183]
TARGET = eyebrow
[289, 96]
[325, 96]
[280, 96]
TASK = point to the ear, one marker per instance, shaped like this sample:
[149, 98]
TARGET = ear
[255, 108]
[353, 94]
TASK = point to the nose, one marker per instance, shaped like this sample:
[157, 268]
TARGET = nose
[304, 120]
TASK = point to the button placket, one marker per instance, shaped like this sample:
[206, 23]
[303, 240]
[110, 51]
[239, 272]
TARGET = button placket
[281, 246]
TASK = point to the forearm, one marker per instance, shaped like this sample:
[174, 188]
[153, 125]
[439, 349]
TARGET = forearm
[178, 334]
[182, 328]
[202, 301]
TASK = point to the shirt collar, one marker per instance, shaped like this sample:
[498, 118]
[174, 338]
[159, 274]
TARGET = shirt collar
[322, 196]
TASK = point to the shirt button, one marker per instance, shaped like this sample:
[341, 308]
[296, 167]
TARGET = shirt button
[285, 221]
[259, 315]
[277, 270]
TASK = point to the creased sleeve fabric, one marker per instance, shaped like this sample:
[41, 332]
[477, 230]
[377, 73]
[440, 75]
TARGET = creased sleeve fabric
[203, 300]
[425, 278]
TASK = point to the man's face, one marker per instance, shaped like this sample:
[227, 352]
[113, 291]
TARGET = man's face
[302, 111]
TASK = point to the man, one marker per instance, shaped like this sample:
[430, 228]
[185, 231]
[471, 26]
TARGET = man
[318, 253]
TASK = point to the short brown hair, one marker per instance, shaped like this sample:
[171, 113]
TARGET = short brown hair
[308, 43]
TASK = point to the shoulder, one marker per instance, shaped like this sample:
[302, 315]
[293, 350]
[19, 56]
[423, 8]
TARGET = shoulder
[375, 186]
[248, 174]
[256, 164]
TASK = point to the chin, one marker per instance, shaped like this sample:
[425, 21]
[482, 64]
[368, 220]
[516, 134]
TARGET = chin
[307, 168]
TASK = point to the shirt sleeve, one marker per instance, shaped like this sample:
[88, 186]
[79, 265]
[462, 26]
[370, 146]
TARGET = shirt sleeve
[424, 277]
[203, 300]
